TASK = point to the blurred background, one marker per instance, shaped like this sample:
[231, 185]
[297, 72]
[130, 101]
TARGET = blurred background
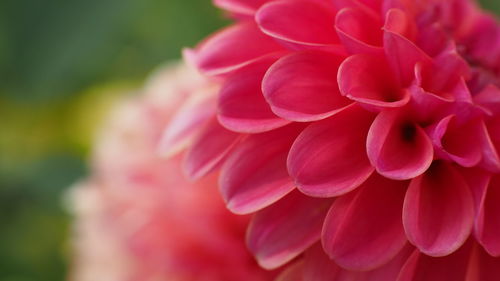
[62, 64]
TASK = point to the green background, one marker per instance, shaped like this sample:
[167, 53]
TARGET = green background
[62, 62]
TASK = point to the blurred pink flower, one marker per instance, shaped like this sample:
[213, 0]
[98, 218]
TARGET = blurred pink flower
[138, 218]
[366, 125]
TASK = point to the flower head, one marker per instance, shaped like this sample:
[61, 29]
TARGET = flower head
[367, 126]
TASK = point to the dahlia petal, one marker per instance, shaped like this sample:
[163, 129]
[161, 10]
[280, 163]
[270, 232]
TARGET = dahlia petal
[487, 222]
[186, 123]
[457, 142]
[438, 210]
[420, 267]
[363, 230]
[489, 98]
[241, 105]
[482, 266]
[449, 67]
[432, 39]
[491, 159]
[398, 149]
[209, 149]
[285, 229]
[299, 22]
[232, 48]
[318, 267]
[403, 55]
[359, 31]
[255, 175]
[366, 78]
[328, 157]
[299, 87]
[292, 272]
[244, 7]
[477, 179]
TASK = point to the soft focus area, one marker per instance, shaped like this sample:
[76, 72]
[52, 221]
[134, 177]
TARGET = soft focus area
[62, 65]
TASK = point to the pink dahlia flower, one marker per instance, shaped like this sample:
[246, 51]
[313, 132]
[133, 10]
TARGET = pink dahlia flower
[138, 218]
[371, 127]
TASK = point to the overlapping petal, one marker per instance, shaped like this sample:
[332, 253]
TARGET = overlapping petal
[328, 158]
[232, 48]
[298, 22]
[291, 82]
[255, 174]
[363, 229]
[241, 105]
[285, 229]
[398, 147]
[438, 210]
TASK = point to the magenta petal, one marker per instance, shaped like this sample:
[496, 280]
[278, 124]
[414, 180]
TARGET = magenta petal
[488, 222]
[209, 148]
[399, 149]
[255, 175]
[318, 267]
[420, 267]
[242, 106]
[285, 229]
[359, 30]
[299, 87]
[363, 230]
[438, 210]
[244, 7]
[457, 142]
[293, 272]
[186, 123]
[301, 22]
[328, 158]
[482, 266]
[232, 48]
[491, 159]
[403, 55]
[367, 78]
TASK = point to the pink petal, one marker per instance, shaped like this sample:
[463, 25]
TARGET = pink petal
[398, 148]
[482, 266]
[367, 78]
[232, 48]
[300, 22]
[318, 267]
[242, 106]
[186, 123]
[478, 180]
[244, 7]
[420, 267]
[209, 149]
[255, 175]
[299, 87]
[402, 54]
[363, 230]
[292, 272]
[359, 30]
[328, 158]
[457, 142]
[285, 229]
[438, 210]
[491, 159]
[445, 72]
[487, 222]
[489, 98]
